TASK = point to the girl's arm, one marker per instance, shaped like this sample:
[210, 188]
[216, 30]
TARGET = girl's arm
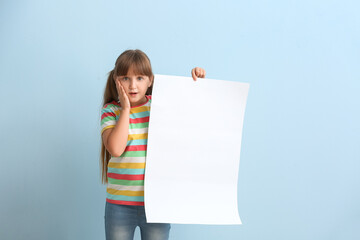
[115, 139]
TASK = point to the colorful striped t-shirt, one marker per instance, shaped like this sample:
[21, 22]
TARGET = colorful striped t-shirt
[126, 172]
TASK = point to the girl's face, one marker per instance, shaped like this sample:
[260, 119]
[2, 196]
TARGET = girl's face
[135, 86]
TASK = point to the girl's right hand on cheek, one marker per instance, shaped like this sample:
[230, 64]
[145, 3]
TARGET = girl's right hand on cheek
[123, 98]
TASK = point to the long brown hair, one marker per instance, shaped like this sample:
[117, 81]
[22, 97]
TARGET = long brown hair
[142, 66]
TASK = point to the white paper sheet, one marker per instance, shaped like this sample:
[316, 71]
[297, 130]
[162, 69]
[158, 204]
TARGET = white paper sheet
[193, 153]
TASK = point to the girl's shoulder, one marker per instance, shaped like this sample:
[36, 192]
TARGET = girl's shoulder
[115, 105]
[112, 104]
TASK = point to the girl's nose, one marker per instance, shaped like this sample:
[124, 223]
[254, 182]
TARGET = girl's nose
[132, 84]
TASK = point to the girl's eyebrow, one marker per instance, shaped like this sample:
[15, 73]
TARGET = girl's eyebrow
[136, 75]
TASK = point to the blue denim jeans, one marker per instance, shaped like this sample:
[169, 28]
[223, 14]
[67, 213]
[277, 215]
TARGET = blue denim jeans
[121, 221]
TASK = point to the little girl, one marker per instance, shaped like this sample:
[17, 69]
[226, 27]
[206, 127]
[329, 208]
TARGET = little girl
[124, 130]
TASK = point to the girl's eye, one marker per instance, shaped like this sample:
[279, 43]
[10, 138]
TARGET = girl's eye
[125, 78]
[140, 78]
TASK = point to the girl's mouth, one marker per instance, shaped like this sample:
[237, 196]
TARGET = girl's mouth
[133, 94]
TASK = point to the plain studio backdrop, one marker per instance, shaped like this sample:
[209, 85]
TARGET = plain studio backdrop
[300, 155]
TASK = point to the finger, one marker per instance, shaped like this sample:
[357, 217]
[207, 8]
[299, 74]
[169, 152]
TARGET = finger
[121, 90]
[193, 74]
[198, 71]
[118, 91]
[119, 87]
[201, 72]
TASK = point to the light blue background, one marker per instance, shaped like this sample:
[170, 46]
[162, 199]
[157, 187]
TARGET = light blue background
[300, 159]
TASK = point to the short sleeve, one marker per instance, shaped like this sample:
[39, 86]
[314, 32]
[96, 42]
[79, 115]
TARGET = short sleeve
[108, 117]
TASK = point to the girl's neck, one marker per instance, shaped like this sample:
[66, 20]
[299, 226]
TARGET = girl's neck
[145, 99]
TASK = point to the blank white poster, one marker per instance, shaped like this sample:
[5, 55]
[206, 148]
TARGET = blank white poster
[193, 153]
